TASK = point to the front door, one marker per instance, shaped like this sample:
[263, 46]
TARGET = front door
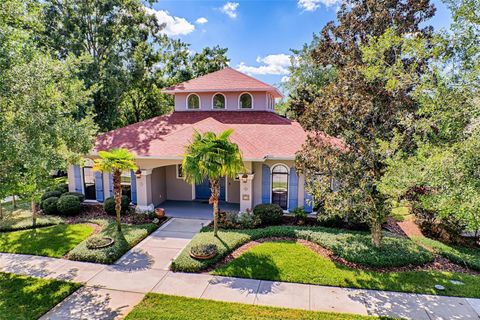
[202, 190]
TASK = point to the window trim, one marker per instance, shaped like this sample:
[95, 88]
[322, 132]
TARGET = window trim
[288, 182]
[251, 96]
[225, 101]
[199, 101]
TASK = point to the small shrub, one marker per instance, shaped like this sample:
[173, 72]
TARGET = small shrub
[247, 220]
[63, 188]
[80, 196]
[50, 194]
[299, 213]
[49, 206]
[204, 250]
[269, 214]
[228, 220]
[68, 205]
[109, 205]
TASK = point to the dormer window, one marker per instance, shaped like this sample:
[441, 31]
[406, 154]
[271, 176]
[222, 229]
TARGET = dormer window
[193, 101]
[245, 101]
[218, 101]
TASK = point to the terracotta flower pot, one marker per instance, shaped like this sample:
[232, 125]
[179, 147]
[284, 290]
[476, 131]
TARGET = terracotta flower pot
[160, 212]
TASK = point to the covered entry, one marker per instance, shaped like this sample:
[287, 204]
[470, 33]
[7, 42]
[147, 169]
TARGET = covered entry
[202, 190]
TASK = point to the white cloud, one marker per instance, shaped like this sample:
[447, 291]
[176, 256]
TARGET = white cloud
[174, 26]
[285, 79]
[312, 5]
[276, 64]
[201, 20]
[230, 9]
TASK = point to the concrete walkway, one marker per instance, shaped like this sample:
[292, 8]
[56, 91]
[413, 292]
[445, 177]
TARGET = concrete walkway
[112, 291]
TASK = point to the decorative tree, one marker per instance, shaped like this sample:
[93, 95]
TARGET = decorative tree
[115, 162]
[212, 157]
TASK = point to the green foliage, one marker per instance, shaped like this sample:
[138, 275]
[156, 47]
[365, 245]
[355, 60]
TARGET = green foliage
[159, 306]
[49, 205]
[203, 249]
[53, 241]
[468, 257]
[29, 298]
[269, 214]
[68, 205]
[21, 218]
[299, 213]
[80, 196]
[50, 194]
[109, 205]
[351, 246]
[361, 112]
[130, 236]
[242, 220]
[293, 262]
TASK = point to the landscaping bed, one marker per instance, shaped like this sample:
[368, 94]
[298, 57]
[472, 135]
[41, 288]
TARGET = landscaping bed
[353, 246]
[159, 306]
[24, 297]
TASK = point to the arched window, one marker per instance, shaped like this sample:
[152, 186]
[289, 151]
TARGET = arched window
[218, 101]
[280, 185]
[245, 101]
[193, 101]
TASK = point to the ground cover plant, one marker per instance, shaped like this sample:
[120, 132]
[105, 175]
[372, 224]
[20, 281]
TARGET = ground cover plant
[293, 262]
[468, 257]
[159, 306]
[24, 297]
[53, 241]
[353, 246]
[130, 236]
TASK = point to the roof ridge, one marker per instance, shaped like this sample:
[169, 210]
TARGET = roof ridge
[249, 76]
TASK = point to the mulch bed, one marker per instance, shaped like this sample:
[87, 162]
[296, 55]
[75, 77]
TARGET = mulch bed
[439, 264]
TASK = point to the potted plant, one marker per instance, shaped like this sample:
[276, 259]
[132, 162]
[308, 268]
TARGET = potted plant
[160, 212]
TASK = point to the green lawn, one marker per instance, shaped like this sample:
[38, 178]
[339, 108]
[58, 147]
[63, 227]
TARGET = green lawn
[29, 298]
[158, 306]
[21, 218]
[55, 241]
[293, 262]
[124, 241]
[352, 246]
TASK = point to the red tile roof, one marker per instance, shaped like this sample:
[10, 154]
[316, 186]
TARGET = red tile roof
[225, 80]
[259, 134]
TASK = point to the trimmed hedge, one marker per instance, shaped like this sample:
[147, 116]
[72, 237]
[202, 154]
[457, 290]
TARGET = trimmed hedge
[50, 194]
[49, 205]
[353, 246]
[269, 214]
[68, 205]
[80, 196]
[109, 205]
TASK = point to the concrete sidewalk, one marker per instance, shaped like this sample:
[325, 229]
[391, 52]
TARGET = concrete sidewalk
[112, 291]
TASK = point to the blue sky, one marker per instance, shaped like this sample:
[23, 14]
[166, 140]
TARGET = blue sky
[258, 34]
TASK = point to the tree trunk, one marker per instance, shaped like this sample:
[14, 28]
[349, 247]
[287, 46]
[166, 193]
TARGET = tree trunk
[117, 193]
[14, 202]
[215, 189]
[1, 209]
[34, 214]
[376, 230]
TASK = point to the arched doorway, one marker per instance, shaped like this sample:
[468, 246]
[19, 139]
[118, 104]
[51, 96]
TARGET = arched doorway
[280, 185]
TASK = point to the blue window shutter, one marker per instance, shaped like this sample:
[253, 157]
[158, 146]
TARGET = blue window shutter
[133, 187]
[99, 187]
[293, 189]
[110, 184]
[266, 193]
[77, 174]
[308, 206]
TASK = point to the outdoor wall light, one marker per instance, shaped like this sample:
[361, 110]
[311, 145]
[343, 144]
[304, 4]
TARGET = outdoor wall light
[244, 178]
[138, 173]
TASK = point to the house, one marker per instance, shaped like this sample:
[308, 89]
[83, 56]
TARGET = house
[214, 102]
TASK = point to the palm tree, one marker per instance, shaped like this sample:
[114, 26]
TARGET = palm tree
[115, 162]
[212, 157]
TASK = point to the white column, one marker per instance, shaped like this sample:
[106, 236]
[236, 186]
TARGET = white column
[144, 192]
[246, 191]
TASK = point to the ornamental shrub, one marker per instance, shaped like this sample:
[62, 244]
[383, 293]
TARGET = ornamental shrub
[49, 205]
[269, 214]
[50, 194]
[109, 205]
[68, 205]
[63, 188]
[80, 196]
